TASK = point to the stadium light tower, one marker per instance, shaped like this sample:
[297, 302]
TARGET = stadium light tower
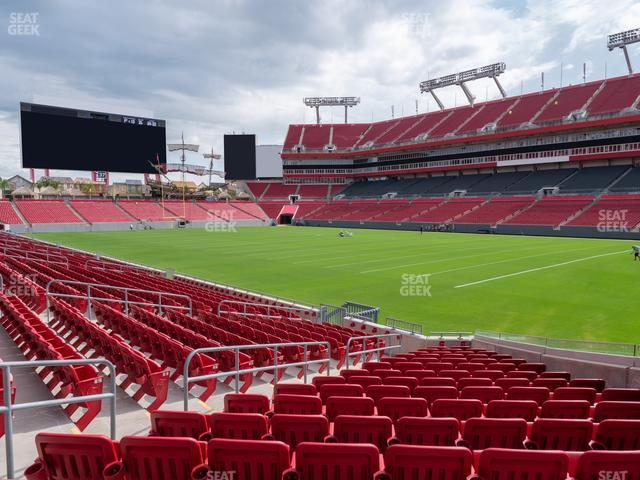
[621, 40]
[460, 79]
[317, 102]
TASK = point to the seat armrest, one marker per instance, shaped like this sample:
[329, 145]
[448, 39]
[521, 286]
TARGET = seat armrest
[461, 442]
[594, 445]
[291, 474]
[330, 439]
[530, 445]
[36, 471]
[114, 471]
[267, 436]
[200, 472]
[393, 441]
[206, 437]
[381, 475]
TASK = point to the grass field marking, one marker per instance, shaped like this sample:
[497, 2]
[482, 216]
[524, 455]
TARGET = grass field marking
[546, 267]
[468, 267]
[449, 258]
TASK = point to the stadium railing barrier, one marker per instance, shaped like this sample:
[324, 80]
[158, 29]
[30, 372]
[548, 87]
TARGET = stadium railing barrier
[8, 408]
[254, 304]
[125, 290]
[332, 314]
[237, 372]
[367, 313]
[378, 348]
[29, 255]
[397, 324]
[617, 348]
[456, 335]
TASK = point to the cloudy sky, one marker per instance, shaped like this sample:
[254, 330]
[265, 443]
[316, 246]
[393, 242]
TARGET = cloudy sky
[211, 67]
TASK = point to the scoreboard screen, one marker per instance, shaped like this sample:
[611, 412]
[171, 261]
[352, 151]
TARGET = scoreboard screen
[69, 139]
[240, 157]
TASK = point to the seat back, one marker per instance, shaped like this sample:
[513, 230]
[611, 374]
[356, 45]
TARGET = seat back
[320, 380]
[65, 456]
[597, 383]
[565, 409]
[398, 407]
[165, 423]
[537, 394]
[410, 382]
[365, 380]
[376, 392]
[335, 406]
[571, 435]
[526, 409]
[481, 433]
[616, 434]
[295, 389]
[248, 458]
[347, 390]
[355, 429]
[505, 464]
[575, 393]
[407, 462]
[474, 382]
[158, 458]
[591, 465]
[550, 383]
[507, 383]
[428, 431]
[352, 372]
[533, 367]
[241, 426]
[484, 394]
[246, 403]
[294, 429]
[460, 409]
[625, 410]
[621, 394]
[298, 404]
[336, 461]
[438, 382]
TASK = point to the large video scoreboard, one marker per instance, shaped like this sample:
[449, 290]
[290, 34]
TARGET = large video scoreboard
[69, 139]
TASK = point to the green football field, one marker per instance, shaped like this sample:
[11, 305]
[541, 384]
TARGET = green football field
[557, 287]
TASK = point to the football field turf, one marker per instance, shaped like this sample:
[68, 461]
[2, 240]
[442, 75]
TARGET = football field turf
[556, 287]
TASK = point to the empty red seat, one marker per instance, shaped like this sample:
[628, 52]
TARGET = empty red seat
[526, 409]
[295, 389]
[455, 374]
[550, 383]
[490, 374]
[572, 435]
[165, 423]
[471, 366]
[474, 382]
[621, 395]
[347, 390]
[609, 409]
[294, 429]
[484, 394]
[419, 373]
[349, 406]
[521, 374]
[532, 367]
[386, 373]
[408, 462]
[618, 434]
[608, 465]
[246, 458]
[507, 464]
[434, 393]
[437, 382]
[371, 366]
[355, 429]
[503, 367]
[481, 433]
[437, 366]
[365, 381]
[87, 455]
[159, 458]
[575, 393]
[246, 403]
[297, 404]
[460, 409]
[376, 392]
[348, 373]
[240, 426]
[537, 394]
[507, 383]
[410, 365]
[333, 461]
[410, 382]
[565, 375]
[427, 431]
[398, 407]
[320, 380]
[565, 409]
[597, 383]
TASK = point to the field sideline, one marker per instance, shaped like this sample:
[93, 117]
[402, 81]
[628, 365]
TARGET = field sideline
[558, 287]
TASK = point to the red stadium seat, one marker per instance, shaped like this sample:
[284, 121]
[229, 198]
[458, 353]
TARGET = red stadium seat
[165, 423]
[295, 389]
[504, 464]
[550, 383]
[621, 395]
[484, 394]
[507, 383]
[474, 382]
[410, 365]
[532, 367]
[437, 382]
[348, 373]
[355, 429]
[407, 462]
[481, 433]
[455, 374]
[433, 393]
[349, 406]
[575, 393]
[427, 431]
[376, 392]
[246, 403]
[365, 381]
[572, 435]
[608, 465]
[623, 410]
[371, 366]
[89, 454]
[526, 409]
[297, 404]
[564, 375]
[565, 409]
[521, 374]
[347, 390]
[159, 458]
[460, 409]
[239, 426]
[596, 383]
[398, 407]
[294, 429]
[617, 434]
[334, 461]
[490, 374]
[320, 380]
[410, 382]
[537, 394]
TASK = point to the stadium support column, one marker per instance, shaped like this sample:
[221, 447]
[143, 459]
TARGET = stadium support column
[438, 101]
[626, 57]
[470, 97]
[33, 175]
[318, 114]
[345, 114]
[499, 85]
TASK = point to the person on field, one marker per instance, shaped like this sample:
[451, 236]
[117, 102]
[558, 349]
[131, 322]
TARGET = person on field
[636, 252]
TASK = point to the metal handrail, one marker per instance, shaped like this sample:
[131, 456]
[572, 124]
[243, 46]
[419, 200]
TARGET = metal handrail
[126, 300]
[377, 349]
[24, 254]
[101, 264]
[441, 335]
[396, 324]
[237, 372]
[8, 408]
[254, 304]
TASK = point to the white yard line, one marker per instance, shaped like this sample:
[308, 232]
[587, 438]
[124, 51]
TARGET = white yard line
[555, 265]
